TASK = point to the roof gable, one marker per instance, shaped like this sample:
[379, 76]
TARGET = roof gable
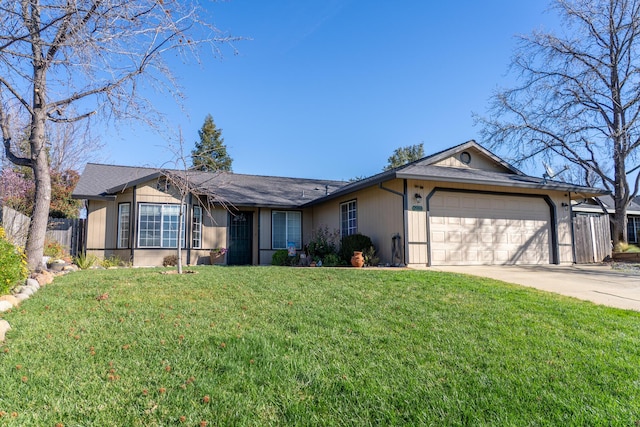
[469, 155]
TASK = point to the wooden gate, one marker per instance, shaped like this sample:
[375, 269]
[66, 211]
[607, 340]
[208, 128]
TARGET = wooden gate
[591, 238]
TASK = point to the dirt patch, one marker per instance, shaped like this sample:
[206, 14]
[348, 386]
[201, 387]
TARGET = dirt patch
[176, 272]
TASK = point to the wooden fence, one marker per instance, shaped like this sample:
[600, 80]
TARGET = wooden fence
[70, 233]
[592, 238]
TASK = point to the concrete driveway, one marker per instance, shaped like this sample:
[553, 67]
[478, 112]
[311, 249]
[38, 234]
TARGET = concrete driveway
[597, 283]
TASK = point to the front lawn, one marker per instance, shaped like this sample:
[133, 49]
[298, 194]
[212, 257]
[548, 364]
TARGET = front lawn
[292, 346]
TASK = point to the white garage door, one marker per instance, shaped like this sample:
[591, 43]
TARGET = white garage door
[468, 228]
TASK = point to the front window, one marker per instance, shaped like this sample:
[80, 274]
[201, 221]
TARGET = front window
[197, 227]
[286, 227]
[348, 218]
[633, 229]
[124, 210]
[158, 226]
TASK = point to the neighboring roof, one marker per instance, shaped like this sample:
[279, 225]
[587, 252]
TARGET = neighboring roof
[425, 169]
[590, 205]
[103, 182]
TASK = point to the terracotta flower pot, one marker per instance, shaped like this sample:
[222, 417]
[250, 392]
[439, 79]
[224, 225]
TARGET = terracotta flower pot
[357, 260]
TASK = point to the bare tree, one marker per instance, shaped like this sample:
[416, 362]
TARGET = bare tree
[579, 98]
[189, 182]
[64, 61]
[72, 145]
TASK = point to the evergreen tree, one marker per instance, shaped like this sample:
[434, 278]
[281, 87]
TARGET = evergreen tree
[210, 153]
[403, 155]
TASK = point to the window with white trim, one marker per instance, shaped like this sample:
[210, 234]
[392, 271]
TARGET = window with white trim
[124, 212]
[158, 226]
[286, 226]
[196, 231]
[348, 218]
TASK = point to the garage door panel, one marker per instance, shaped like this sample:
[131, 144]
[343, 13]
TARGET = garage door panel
[469, 228]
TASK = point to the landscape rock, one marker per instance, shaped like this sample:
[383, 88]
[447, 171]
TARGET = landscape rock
[28, 290]
[21, 297]
[33, 283]
[12, 299]
[5, 305]
[43, 278]
[4, 327]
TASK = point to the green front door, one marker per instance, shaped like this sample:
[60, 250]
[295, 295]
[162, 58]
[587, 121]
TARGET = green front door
[240, 242]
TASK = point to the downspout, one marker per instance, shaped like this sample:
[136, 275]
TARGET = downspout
[404, 220]
[133, 232]
[259, 245]
[573, 233]
[189, 220]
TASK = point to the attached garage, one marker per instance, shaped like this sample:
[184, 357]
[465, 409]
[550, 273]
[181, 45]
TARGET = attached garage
[468, 228]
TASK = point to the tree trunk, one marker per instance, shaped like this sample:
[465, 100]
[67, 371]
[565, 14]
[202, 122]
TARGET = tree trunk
[180, 219]
[40, 164]
[620, 195]
[620, 226]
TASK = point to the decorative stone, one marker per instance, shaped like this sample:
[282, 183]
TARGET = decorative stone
[28, 290]
[12, 299]
[21, 297]
[33, 283]
[4, 327]
[44, 278]
[5, 305]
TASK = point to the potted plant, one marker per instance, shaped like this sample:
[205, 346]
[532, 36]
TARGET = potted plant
[217, 255]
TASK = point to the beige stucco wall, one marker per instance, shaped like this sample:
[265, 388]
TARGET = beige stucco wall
[102, 219]
[379, 213]
[266, 250]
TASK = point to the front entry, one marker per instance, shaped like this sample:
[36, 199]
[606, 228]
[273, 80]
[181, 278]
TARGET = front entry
[240, 239]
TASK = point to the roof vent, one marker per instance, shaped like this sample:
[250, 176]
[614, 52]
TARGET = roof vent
[465, 157]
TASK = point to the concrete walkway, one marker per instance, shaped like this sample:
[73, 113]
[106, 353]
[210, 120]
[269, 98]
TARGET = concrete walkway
[596, 283]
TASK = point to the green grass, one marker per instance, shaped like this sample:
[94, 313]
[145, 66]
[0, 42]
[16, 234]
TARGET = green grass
[290, 346]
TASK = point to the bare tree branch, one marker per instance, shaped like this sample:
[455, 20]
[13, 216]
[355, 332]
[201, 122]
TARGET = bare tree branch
[578, 97]
[63, 61]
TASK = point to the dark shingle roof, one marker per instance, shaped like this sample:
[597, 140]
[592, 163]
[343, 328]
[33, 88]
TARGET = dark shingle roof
[590, 205]
[424, 169]
[104, 181]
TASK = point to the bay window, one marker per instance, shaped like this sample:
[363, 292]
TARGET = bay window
[158, 226]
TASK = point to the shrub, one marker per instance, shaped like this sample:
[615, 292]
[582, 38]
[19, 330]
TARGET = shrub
[53, 249]
[370, 257]
[13, 264]
[351, 243]
[323, 243]
[331, 260]
[113, 261]
[626, 247]
[170, 261]
[84, 261]
[280, 257]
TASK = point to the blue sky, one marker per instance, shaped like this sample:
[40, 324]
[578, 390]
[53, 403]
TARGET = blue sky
[329, 88]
